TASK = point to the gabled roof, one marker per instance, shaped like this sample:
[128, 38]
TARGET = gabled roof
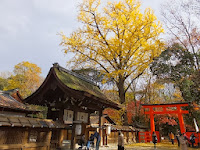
[73, 85]
[8, 101]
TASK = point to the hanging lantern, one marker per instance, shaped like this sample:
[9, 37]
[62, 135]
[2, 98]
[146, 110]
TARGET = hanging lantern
[78, 129]
[108, 129]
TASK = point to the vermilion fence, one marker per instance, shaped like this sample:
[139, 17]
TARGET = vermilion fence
[197, 137]
[146, 137]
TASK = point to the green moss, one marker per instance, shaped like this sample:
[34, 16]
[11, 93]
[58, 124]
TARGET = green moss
[78, 84]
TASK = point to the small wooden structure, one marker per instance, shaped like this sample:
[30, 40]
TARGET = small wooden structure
[71, 98]
[110, 130]
[23, 133]
[19, 132]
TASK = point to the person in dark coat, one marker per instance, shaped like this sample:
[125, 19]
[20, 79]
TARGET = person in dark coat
[192, 139]
[98, 137]
[154, 139]
[177, 138]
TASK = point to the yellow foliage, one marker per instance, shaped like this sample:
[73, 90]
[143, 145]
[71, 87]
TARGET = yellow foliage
[178, 96]
[118, 38]
[27, 78]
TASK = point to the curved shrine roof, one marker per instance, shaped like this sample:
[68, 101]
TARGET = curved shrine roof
[70, 82]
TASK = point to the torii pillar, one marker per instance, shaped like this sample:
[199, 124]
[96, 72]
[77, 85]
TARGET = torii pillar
[152, 124]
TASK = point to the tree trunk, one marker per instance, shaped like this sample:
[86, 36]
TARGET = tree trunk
[122, 97]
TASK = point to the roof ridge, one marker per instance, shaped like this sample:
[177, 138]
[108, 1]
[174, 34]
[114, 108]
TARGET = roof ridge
[80, 76]
[11, 91]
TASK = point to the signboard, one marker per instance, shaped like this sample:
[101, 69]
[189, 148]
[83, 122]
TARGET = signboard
[81, 116]
[68, 116]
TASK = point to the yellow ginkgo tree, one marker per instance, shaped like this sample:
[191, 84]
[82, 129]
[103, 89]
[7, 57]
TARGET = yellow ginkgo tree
[26, 78]
[116, 38]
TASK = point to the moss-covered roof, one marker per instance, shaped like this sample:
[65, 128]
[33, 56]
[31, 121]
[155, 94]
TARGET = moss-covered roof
[78, 82]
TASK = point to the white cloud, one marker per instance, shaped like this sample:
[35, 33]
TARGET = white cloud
[28, 31]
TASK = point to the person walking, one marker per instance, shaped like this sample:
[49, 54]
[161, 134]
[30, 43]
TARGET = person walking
[177, 138]
[154, 139]
[183, 142]
[192, 139]
[120, 141]
[98, 137]
[172, 137]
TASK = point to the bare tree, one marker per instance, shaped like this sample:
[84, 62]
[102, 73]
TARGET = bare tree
[182, 23]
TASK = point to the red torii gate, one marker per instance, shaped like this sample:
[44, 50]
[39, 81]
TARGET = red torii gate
[164, 107]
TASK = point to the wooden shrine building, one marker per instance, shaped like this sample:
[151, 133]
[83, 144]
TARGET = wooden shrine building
[70, 99]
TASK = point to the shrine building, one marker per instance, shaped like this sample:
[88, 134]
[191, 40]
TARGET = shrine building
[71, 99]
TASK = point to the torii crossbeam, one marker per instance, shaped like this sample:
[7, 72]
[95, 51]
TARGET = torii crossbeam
[164, 107]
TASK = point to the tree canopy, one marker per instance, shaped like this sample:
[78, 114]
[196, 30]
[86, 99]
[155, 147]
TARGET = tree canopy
[3, 83]
[177, 65]
[26, 78]
[117, 39]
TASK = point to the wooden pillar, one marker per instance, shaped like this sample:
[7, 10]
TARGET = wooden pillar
[87, 136]
[106, 139]
[49, 140]
[181, 121]
[73, 138]
[60, 133]
[61, 136]
[100, 127]
[25, 138]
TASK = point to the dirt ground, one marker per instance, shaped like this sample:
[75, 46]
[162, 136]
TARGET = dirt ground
[159, 146]
[148, 146]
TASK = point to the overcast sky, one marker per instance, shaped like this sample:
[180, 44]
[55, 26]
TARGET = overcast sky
[29, 30]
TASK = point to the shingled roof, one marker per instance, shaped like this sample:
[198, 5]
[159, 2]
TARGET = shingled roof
[10, 100]
[12, 121]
